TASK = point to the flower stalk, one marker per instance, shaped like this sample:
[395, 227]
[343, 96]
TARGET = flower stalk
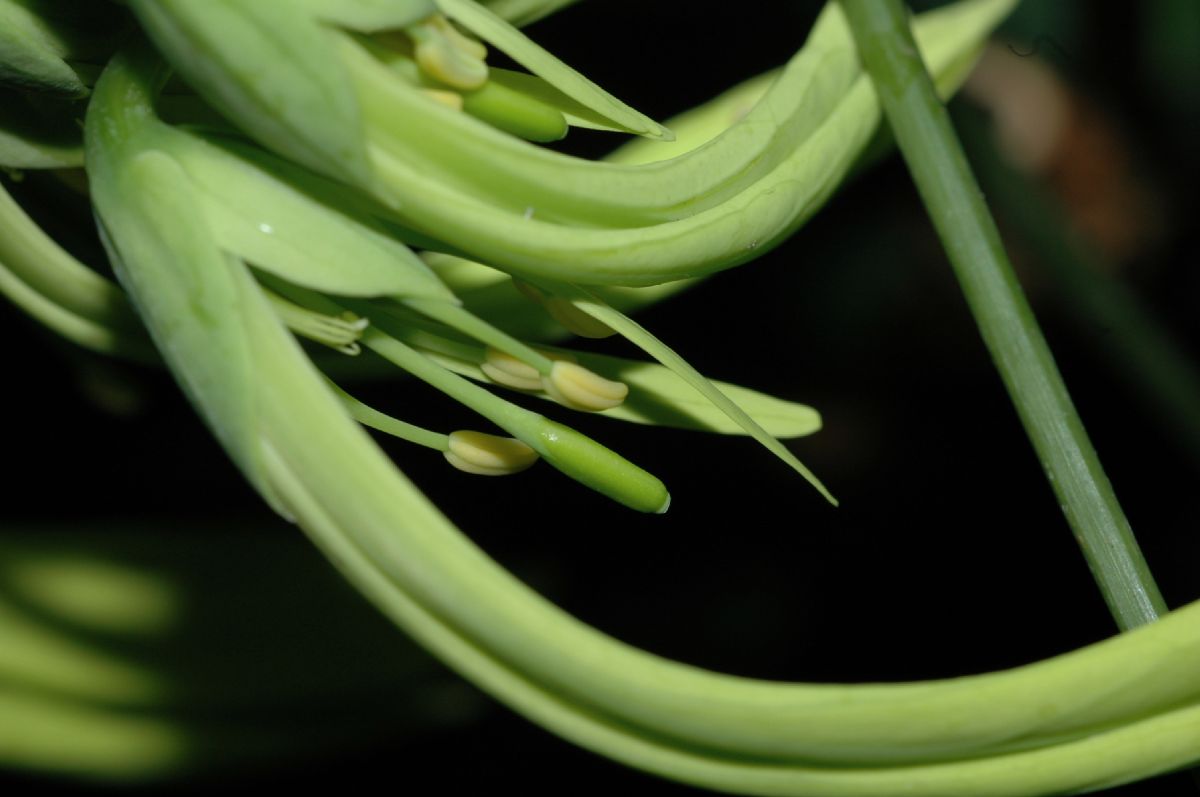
[943, 177]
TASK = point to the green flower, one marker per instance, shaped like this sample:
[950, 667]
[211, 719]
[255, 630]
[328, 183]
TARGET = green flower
[380, 127]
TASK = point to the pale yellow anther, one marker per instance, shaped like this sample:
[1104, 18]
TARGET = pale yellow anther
[574, 386]
[447, 55]
[468, 44]
[575, 320]
[488, 454]
[451, 99]
[504, 369]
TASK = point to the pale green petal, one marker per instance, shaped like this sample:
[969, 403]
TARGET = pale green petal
[31, 53]
[146, 219]
[166, 258]
[288, 222]
[273, 71]
[735, 230]
[661, 397]
[365, 16]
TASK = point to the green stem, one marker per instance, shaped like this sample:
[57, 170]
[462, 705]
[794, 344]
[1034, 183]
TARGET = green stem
[939, 168]
[1140, 351]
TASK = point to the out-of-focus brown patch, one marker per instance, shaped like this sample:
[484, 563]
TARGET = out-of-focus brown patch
[1053, 133]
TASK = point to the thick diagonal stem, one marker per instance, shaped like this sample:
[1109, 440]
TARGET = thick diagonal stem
[955, 204]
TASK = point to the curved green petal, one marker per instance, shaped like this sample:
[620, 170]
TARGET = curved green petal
[287, 221]
[272, 69]
[32, 53]
[165, 256]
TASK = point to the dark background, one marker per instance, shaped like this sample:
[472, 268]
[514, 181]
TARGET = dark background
[948, 555]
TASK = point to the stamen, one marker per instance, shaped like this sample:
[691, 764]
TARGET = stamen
[504, 369]
[468, 44]
[575, 386]
[448, 55]
[575, 320]
[488, 454]
[576, 455]
[455, 317]
[382, 422]
[567, 315]
[451, 99]
[341, 332]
